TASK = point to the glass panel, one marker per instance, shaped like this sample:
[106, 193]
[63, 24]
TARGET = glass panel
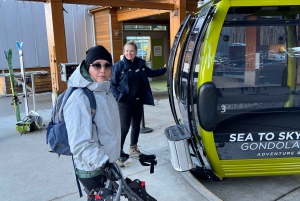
[128, 27]
[256, 70]
[137, 27]
[159, 28]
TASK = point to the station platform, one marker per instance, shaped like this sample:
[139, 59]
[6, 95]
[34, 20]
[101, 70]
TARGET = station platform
[30, 172]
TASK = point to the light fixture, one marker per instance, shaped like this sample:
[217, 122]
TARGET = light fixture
[200, 3]
[175, 13]
[117, 32]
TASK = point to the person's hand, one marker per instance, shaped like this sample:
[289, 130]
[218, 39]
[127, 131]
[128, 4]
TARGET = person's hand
[111, 172]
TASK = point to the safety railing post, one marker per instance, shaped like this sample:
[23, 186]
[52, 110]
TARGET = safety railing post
[143, 128]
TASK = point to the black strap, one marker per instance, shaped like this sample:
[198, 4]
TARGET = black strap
[77, 180]
[146, 159]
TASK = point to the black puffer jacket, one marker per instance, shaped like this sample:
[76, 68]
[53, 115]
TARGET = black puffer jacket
[119, 78]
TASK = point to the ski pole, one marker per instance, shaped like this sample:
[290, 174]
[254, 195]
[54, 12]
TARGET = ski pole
[33, 92]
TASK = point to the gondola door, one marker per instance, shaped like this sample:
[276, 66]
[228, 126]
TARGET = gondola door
[181, 78]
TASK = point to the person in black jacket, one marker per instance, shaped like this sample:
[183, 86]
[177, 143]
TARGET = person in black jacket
[131, 88]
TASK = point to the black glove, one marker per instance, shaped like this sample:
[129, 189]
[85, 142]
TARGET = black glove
[111, 171]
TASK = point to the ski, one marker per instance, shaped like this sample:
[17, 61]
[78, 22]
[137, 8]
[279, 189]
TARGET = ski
[15, 99]
[23, 76]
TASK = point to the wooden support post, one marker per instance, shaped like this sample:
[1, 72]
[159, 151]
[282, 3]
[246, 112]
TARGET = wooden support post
[56, 43]
[176, 17]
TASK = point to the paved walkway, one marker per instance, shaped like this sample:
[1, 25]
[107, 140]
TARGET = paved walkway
[29, 172]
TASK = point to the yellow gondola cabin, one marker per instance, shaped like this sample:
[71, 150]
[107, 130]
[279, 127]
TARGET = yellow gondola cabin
[234, 89]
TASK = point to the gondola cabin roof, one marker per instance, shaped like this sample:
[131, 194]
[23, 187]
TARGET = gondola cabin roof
[262, 2]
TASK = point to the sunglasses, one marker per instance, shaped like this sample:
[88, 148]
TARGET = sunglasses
[98, 66]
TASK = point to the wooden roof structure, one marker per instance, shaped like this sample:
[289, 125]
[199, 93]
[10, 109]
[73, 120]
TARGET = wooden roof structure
[175, 10]
[169, 5]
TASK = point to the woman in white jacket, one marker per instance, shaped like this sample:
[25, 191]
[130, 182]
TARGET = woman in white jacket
[93, 145]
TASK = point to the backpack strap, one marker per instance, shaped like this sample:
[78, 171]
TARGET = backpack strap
[91, 98]
[67, 94]
[77, 180]
[65, 97]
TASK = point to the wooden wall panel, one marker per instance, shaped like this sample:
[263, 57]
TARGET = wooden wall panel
[102, 29]
[118, 50]
[103, 34]
[117, 40]
[106, 44]
[106, 27]
[101, 12]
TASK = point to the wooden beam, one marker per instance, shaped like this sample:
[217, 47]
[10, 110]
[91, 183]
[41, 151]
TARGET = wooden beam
[192, 8]
[139, 14]
[176, 17]
[119, 3]
[56, 43]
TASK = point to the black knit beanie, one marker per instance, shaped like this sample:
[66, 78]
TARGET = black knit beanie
[95, 53]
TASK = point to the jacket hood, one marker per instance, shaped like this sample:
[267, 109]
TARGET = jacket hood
[80, 78]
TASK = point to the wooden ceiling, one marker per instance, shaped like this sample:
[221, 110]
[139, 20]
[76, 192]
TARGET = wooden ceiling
[138, 10]
[191, 5]
[162, 18]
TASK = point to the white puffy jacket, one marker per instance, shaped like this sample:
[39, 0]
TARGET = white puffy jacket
[91, 150]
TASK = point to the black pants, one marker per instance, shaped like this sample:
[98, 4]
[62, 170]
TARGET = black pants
[130, 114]
[93, 183]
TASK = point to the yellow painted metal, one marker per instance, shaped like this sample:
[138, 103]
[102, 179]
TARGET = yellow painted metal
[264, 2]
[245, 167]
[205, 75]
[261, 167]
